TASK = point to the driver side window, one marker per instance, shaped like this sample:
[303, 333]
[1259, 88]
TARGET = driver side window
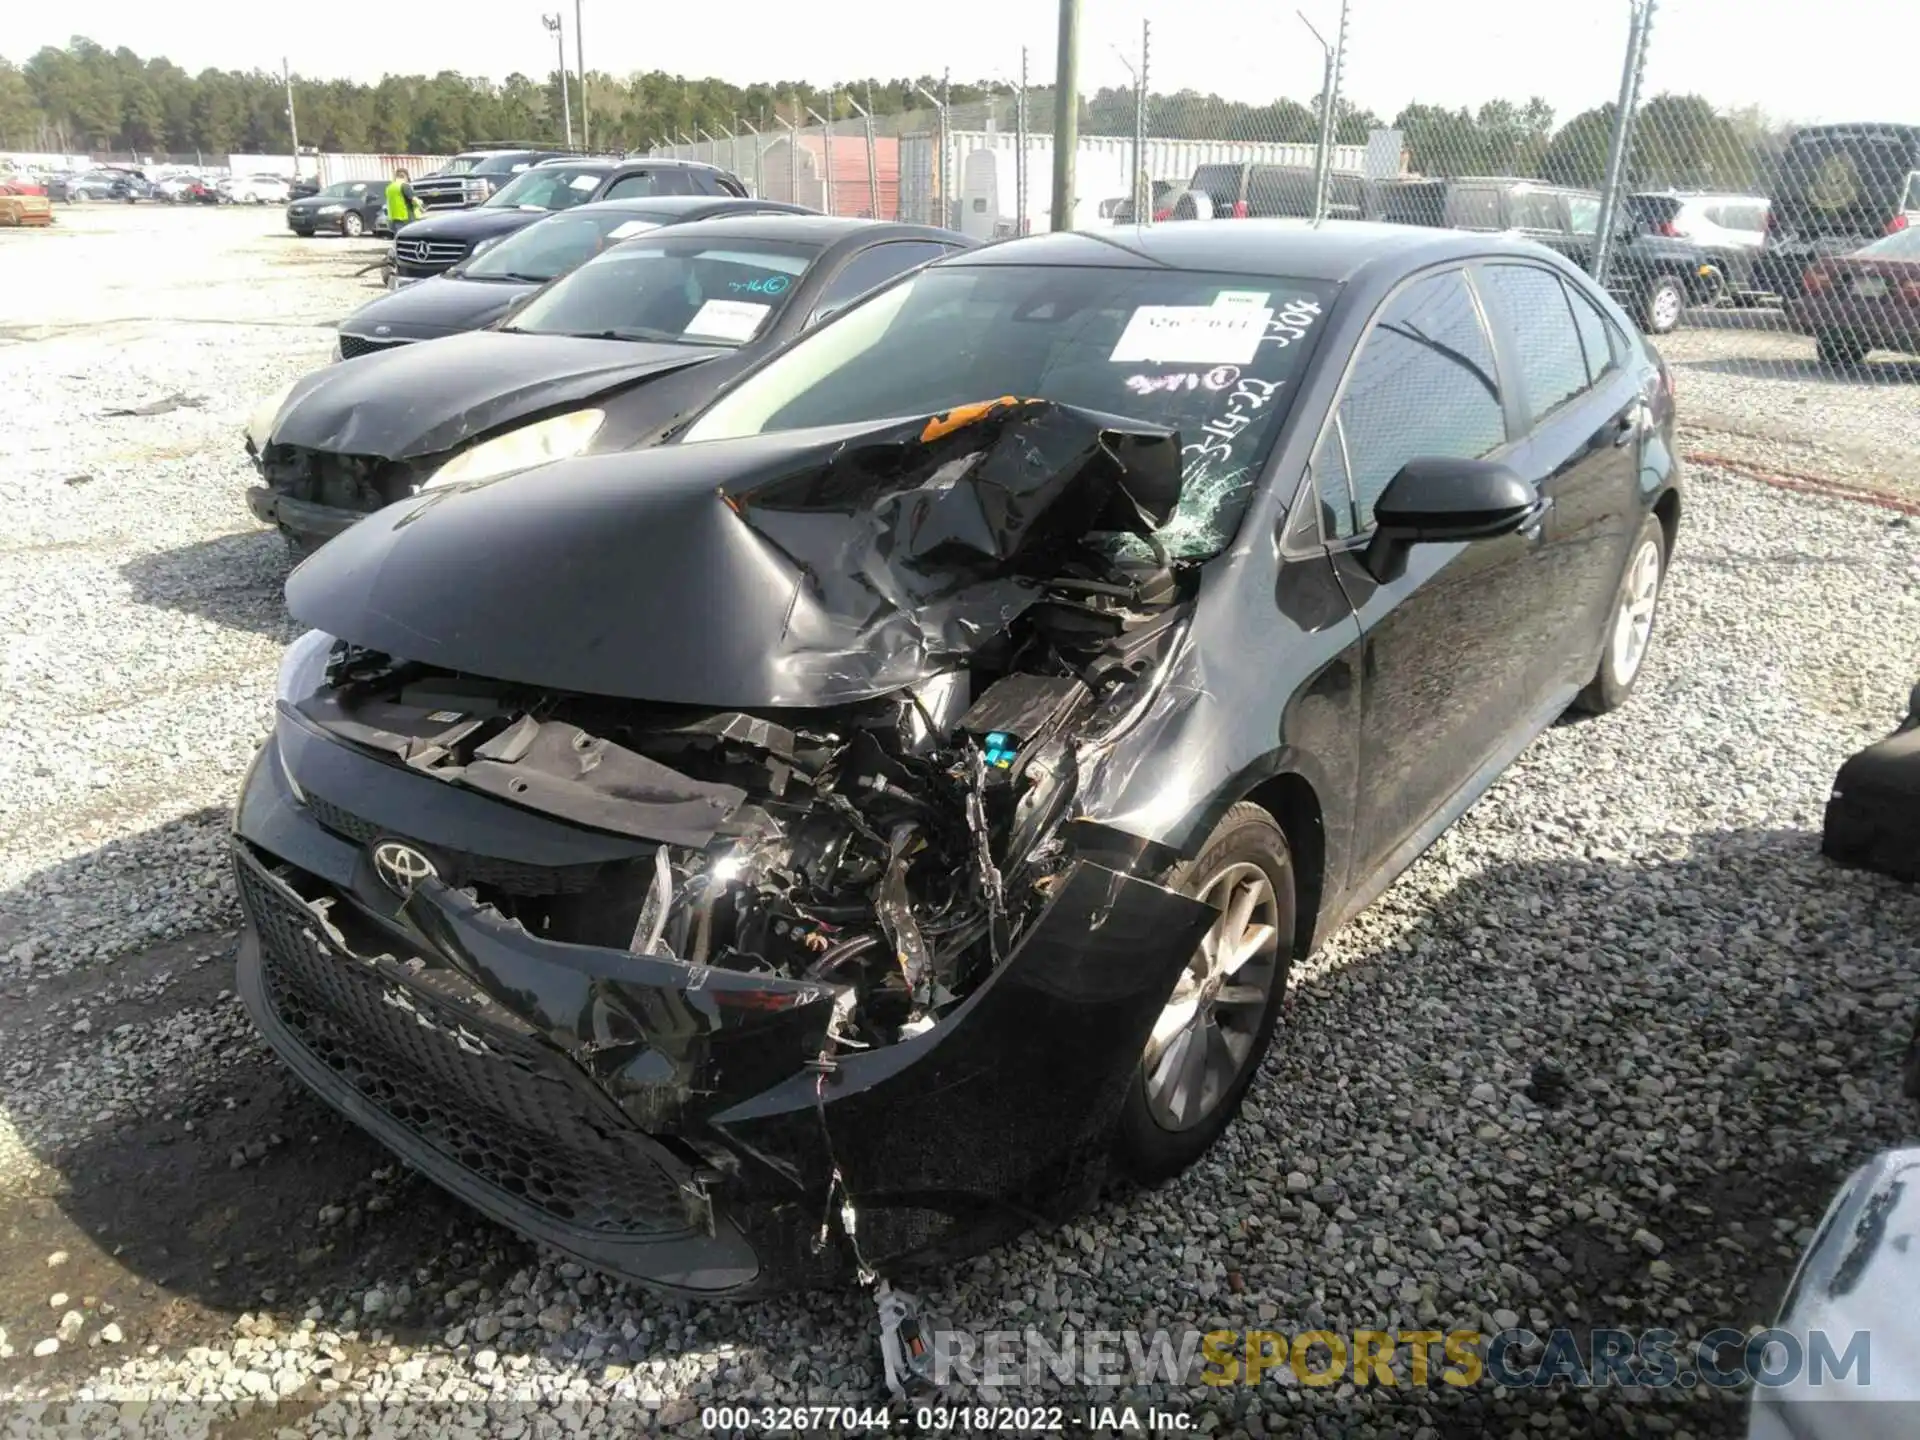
[1424, 385]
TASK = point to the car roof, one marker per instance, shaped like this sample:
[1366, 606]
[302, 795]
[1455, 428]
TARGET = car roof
[1338, 250]
[683, 204]
[637, 162]
[821, 230]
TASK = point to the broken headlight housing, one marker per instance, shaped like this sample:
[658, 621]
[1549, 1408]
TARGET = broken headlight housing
[559, 438]
[260, 423]
[303, 669]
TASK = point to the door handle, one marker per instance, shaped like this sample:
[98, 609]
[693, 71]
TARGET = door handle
[1538, 520]
[1626, 427]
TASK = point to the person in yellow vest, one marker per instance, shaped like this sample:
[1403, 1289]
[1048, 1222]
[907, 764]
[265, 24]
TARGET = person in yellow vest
[402, 204]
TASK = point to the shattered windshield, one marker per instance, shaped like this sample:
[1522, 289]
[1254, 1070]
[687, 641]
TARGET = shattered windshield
[1214, 356]
[696, 292]
[554, 246]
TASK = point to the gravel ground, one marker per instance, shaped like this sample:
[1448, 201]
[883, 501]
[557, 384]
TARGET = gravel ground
[1640, 900]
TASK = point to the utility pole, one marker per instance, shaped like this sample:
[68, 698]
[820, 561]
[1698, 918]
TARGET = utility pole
[552, 22]
[580, 59]
[1142, 182]
[1639, 25]
[1020, 151]
[1066, 113]
[793, 156]
[293, 125]
[1329, 105]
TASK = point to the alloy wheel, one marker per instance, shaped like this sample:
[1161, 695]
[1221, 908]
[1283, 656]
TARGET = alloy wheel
[1633, 626]
[1666, 308]
[1206, 1033]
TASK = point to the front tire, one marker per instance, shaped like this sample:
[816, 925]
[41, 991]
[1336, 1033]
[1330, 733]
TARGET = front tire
[1662, 305]
[352, 226]
[1842, 352]
[1629, 633]
[1207, 1044]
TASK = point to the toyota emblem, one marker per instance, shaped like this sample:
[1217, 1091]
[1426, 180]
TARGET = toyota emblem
[401, 867]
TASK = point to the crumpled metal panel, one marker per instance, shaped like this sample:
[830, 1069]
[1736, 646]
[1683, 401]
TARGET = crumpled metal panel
[802, 568]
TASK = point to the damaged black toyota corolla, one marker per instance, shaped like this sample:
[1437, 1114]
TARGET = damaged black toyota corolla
[824, 842]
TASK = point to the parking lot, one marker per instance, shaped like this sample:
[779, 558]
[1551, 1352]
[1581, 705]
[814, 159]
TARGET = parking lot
[1640, 900]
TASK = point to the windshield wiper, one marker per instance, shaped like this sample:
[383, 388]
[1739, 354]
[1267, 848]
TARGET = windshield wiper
[642, 334]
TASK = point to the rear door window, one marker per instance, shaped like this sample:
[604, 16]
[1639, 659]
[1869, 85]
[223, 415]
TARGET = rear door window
[1220, 184]
[1275, 190]
[1531, 305]
[869, 270]
[1583, 214]
[1535, 211]
[1474, 207]
[1599, 337]
[1424, 386]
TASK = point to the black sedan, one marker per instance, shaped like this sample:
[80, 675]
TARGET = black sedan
[431, 246]
[347, 207]
[604, 358]
[481, 289]
[906, 791]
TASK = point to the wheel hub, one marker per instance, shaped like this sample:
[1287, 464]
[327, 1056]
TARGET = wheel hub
[1205, 1035]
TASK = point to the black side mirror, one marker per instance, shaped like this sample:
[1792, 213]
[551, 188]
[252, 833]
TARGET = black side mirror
[1436, 501]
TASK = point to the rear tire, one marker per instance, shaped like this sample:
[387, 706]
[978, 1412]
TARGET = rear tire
[1223, 1007]
[1663, 304]
[1842, 352]
[1630, 623]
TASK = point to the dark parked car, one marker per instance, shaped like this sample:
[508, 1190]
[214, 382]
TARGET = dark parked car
[1654, 275]
[1839, 187]
[475, 175]
[103, 184]
[1869, 300]
[1247, 191]
[604, 358]
[439, 242]
[482, 288]
[884, 803]
[347, 207]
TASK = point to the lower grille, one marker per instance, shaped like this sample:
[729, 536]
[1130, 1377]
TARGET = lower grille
[347, 482]
[482, 1097]
[459, 868]
[352, 345]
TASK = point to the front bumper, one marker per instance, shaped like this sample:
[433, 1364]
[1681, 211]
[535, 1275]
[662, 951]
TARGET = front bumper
[1880, 324]
[306, 521]
[667, 1122]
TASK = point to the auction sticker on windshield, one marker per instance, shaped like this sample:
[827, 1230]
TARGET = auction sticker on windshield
[631, 227]
[1192, 334]
[584, 183]
[728, 319]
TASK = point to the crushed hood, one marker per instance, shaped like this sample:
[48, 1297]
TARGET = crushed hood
[442, 305]
[418, 400]
[802, 568]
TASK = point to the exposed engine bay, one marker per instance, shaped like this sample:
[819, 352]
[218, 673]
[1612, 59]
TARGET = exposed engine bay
[897, 846]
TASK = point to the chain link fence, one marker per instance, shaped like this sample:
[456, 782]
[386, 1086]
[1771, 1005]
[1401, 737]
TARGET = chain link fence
[1777, 262]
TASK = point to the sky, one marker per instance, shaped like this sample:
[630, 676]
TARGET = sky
[1856, 61]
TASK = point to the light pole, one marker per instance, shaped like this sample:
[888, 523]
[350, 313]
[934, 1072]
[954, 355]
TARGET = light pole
[580, 59]
[293, 125]
[552, 22]
[1142, 202]
[873, 167]
[940, 168]
[826, 143]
